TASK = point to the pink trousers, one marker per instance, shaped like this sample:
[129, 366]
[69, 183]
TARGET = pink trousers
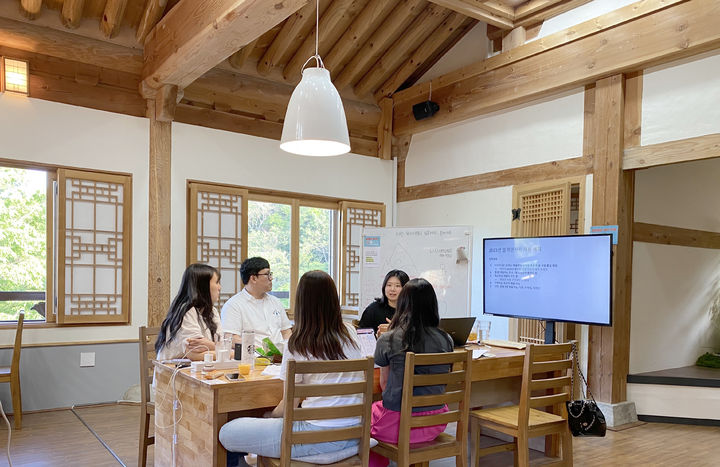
[385, 424]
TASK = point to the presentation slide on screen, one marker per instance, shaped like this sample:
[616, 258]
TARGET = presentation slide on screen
[553, 278]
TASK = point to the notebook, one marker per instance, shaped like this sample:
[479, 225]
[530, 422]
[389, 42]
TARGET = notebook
[458, 328]
[367, 341]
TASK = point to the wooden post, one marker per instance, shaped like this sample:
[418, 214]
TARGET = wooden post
[613, 193]
[159, 218]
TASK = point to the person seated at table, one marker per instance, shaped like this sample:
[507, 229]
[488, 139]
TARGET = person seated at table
[319, 334]
[378, 314]
[253, 308]
[413, 329]
[192, 325]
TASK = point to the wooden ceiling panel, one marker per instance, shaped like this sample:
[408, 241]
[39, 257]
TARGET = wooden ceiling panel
[333, 23]
[390, 29]
[423, 27]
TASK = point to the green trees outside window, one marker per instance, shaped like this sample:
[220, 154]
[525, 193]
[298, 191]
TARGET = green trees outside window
[23, 224]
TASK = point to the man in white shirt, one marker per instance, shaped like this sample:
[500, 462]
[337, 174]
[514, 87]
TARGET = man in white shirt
[253, 309]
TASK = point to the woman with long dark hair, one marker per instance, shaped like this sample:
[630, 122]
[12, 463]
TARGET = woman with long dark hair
[413, 329]
[192, 324]
[378, 314]
[319, 334]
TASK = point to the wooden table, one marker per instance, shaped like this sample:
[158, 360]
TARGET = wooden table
[205, 405]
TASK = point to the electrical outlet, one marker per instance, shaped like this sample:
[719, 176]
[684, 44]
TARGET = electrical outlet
[87, 359]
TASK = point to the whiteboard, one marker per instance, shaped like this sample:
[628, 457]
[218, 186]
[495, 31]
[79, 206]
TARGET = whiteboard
[442, 255]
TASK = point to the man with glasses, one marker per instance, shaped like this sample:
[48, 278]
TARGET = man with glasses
[253, 308]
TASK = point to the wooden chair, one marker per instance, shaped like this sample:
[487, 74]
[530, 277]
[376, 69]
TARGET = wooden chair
[457, 391]
[11, 374]
[300, 391]
[148, 336]
[545, 384]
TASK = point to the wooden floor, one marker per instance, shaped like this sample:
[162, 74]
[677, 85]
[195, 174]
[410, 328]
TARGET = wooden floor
[60, 439]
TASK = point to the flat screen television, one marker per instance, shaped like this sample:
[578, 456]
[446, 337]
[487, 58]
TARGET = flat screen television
[562, 278]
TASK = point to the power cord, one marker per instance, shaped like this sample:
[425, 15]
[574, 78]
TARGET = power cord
[177, 405]
[9, 433]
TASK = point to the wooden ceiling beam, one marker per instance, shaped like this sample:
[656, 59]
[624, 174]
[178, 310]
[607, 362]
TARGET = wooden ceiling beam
[543, 45]
[534, 6]
[426, 50]
[293, 31]
[356, 35]
[237, 59]
[475, 11]
[72, 13]
[681, 30]
[259, 96]
[154, 9]
[31, 8]
[194, 36]
[498, 9]
[112, 17]
[333, 23]
[255, 126]
[390, 29]
[554, 9]
[424, 26]
[69, 46]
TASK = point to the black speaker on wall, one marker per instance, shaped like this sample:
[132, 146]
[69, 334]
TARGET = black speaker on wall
[425, 110]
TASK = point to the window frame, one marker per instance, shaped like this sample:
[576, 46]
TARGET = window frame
[295, 201]
[52, 238]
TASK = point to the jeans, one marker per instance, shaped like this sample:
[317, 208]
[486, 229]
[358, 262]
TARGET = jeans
[263, 436]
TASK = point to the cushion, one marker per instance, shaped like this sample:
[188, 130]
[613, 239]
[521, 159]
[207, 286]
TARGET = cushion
[332, 457]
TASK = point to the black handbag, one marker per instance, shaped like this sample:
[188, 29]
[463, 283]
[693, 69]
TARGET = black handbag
[584, 416]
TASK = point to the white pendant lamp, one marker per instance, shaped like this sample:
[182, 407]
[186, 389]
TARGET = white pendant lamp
[315, 123]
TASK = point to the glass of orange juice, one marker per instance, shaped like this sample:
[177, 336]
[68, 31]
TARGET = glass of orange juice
[244, 369]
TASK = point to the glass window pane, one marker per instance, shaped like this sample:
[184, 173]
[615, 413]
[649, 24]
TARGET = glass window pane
[317, 240]
[269, 237]
[23, 224]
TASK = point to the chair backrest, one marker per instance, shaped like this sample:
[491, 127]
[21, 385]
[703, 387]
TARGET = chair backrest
[148, 336]
[15, 365]
[301, 391]
[457, 390]
[546, 379]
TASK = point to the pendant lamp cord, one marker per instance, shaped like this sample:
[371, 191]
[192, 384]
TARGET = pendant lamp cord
[317, 58]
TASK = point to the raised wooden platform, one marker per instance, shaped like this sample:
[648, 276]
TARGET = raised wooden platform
[686, 395]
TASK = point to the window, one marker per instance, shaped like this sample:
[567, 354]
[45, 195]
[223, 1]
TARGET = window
[65, 245]
[295, 233]
[23, 243]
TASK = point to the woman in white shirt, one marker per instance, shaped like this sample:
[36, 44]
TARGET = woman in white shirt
[319, 334]
[192, 325]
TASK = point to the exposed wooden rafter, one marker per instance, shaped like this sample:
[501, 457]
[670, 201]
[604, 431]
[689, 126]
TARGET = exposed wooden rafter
[193, 37]
[529, 16]
[112, 17]
[31, 8]
[476, 10]
[71, 14]
[390, 29]
[154, 9]
[672, 152]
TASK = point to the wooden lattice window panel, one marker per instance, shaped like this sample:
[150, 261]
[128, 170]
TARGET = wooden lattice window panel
[355, 216]
[216, 231]
[549, 208]
[94, 238]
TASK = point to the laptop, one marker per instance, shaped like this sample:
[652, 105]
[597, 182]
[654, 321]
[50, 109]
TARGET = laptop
[458, 328]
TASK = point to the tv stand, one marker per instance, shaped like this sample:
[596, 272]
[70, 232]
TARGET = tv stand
[549, 332]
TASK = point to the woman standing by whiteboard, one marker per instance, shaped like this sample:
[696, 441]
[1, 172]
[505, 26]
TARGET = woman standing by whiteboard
[379, 313]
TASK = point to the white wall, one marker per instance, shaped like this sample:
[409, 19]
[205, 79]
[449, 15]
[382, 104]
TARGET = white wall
[672, 286]
[51, 133]
[531, 134]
